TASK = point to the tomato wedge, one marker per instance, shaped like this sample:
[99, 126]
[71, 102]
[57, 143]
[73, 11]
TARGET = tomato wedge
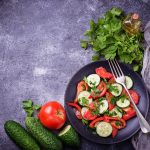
[82, 86]
[112, 80]
[116, 124]
[102, 72]
[89, 116]
[75, 105]
[129, 113]
[92, 124]
[92, 106]
[108, 97]
[135, 96]
[114, 132]
[122, 121]
[102, 88]
[78, 113]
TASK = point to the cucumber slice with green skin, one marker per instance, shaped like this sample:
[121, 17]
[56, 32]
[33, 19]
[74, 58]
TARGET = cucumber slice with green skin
[69, 136]
[104, 129]
[115, 113]
[83, 111]
[118, 89]
[93, 80]
[103, 106]
[83, 98]
[128, 82]
[122, 103]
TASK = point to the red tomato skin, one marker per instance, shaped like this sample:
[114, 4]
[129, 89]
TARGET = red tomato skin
[112, 80]
[135, 96]
[89, 116]
[52, 115]
[101, 87]
[102, 72]
[78, 113]
[114, 132]
[130, 113]
[108, 97]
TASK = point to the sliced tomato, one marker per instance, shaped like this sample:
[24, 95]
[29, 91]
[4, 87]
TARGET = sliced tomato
[75, 100]
[102, 72]
[108, 97]
[112, 80]
[129, 113]
[78, 113]
[75, 106]
[102, 88]
[123, 123]
[135, 96]
[114, 132]
[115, 125]
[92, 106]
[89, 116]
[92, 124]
[82, 86]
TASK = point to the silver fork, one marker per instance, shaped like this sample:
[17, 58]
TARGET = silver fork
[120, 78]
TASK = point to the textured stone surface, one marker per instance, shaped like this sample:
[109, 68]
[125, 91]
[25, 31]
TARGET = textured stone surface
[39, 52]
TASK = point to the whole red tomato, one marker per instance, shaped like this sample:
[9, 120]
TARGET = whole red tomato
[52, 115]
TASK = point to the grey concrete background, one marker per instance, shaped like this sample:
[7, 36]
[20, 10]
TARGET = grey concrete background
[40, 51]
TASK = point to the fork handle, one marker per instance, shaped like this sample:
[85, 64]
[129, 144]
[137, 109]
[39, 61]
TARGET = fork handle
[145, 127]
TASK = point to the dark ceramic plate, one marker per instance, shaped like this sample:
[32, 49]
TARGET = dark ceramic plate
[132, 125]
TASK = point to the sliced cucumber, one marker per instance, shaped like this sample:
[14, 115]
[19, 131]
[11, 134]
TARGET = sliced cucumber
[128, 82]
[122, 103]
[93, 80]
[103, 106]
[116, 89]
[83, 111]
[104, 129]
[83, 98]
[69, 136]
[116, 112]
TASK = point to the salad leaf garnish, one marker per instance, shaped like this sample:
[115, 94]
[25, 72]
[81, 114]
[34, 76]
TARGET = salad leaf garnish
[107, 38]
[29, 107]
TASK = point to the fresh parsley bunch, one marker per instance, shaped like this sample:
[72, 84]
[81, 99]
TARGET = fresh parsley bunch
[107, 38]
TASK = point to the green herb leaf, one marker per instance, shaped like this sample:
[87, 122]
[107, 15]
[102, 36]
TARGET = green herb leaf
[108, 39]
[95, 57]
[84, 44]
[27, 103]
[117, 123]
[29, 107]
[85, 79]
[37, 107]
[84, 121]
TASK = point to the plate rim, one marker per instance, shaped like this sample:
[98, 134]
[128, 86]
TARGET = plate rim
[147, 97]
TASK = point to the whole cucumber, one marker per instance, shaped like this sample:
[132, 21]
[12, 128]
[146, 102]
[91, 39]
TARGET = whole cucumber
[43, 136]
[20, 136]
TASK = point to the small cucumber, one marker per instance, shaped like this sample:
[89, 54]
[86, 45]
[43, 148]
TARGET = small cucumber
[93, 80]
[83, 98]
[104, 129]
[69, 136]
[122, 103]
[103, 106]
[116, 112]
[43, 136]
[20, 136]
[128, 82]
[118, 89]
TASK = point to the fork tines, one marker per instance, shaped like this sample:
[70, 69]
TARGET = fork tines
[115, 68]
